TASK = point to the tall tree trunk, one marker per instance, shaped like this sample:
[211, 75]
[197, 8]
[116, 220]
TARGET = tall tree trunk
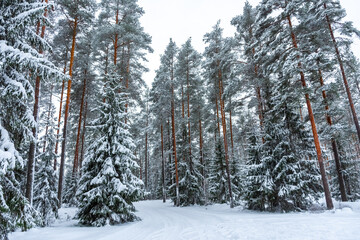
[333, 144]
[76, 157]
[83, 136]
[146, 155]
[141, 165]
[188, 109]
[116, 37]
[217, 115]
[60, 112]
[231, 133]
[223, 120]
[351, 103]
[63, 144]
[201, 151]
[329, 202]
[182, 103]
[169, 150]
[258, 95]
[163, 165]
[174, 137]
[32, 150]
[127, 82]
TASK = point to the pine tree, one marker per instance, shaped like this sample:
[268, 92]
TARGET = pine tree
[108, 186]
[188, 63]
[79, 14]
[218, 62]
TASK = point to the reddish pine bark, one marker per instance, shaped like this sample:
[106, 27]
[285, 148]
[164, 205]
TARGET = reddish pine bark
[76, 156]
[351, 103]
[329, 202]
[32, 150]
[63, 144]
[334, 145]
[83, 137]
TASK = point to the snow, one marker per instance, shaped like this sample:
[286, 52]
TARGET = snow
[163, 221]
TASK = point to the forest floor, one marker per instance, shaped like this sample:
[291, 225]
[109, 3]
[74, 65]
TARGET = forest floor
[165, 222]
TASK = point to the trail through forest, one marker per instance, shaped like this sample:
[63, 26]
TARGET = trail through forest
[163, 221]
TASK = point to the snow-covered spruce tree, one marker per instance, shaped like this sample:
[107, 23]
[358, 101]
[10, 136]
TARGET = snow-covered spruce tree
[287, 180]
[45, 191]
[15, 210]
[217, 175]
[108, 186]
[254, 174]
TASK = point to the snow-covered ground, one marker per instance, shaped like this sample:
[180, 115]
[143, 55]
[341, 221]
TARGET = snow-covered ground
[164, 222]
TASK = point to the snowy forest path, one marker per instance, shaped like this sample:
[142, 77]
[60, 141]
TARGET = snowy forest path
[216, 222]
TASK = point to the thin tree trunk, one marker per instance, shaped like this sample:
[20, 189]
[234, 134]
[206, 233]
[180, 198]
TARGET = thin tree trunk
[48, 117]
[329, 202]
[333, 144]
[63, 145]
[351, 103]
[163, 164]
[76, 157]
[83, 137]
[32, 150]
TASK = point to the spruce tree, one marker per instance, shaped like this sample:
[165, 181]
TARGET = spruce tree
[108, 186]
[286, 179]
[15, 210]
[45, 191]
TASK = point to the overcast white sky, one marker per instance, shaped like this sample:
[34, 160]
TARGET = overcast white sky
[181, 19]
